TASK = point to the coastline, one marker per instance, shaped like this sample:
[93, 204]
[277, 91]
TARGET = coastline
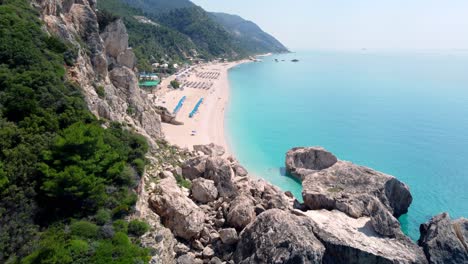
[209, 121]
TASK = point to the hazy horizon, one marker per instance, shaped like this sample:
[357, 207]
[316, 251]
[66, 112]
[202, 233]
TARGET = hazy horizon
[389, 25]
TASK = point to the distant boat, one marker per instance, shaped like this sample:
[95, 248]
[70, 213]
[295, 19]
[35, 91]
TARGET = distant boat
[276, 60]
[295, 60]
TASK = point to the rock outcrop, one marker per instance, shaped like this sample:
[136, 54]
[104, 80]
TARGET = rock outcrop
[177, 211]
[350, 240]
[303, 161]
[445, 240]
[358, 191]
[278, 236]
[329, 183]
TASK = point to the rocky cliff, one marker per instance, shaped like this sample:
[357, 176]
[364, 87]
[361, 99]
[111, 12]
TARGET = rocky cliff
[103, 65]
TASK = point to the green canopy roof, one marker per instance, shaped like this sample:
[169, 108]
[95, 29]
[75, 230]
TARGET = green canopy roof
[149, 83]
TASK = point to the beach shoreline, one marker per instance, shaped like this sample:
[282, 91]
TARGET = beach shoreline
[210, 82]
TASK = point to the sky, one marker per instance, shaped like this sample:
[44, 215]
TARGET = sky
[356, 24]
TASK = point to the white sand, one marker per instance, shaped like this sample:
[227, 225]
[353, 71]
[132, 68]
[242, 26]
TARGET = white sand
[208, 122]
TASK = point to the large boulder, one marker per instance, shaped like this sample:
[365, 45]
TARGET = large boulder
[210, 149]
[178, 213]
[302, 161]
[353, 241]
[241, 211]
[220, 171]
[445, 241]
[204, 190]
[194, 167]
[350, 188]
[277, 236]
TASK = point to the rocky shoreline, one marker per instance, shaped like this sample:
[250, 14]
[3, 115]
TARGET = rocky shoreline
[349, 214]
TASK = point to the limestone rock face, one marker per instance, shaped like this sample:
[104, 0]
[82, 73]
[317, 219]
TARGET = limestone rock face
[210, 149]
[204, 191]
[178, 213]
[220, 171]
[75, 21]
[115, 38]
[241, 212]
[349, 240]
[302, 161]
[445, 241]
[277, 236]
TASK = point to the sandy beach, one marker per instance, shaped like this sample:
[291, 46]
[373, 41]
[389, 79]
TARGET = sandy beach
[210, 82]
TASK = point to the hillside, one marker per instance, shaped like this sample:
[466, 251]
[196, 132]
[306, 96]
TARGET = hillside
[208, 35]
[155, 7]
[151, 43]
[249, 35]
[182, 30]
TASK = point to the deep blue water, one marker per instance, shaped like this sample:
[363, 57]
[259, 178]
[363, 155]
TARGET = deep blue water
[405, 114]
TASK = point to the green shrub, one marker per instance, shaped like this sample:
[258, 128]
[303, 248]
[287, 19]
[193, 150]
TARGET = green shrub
[84, 229]
[139, 166]
[175, 84]
[182, 182]
[137, 228]
[101, 92]
[103, 216]
[120, 226]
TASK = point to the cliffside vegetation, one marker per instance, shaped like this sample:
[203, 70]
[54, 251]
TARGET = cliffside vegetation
[65, 182]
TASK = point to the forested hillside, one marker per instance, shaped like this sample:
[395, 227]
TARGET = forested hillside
[65, 182]
[182, 30]
[248, 35]
[208, 35]
[150, 42]
[159, 6]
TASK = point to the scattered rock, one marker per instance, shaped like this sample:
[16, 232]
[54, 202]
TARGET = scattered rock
[210, 149]
[166, 174]
[215, 260]
[241, 212]
[445, 241]
[277, 236]
[194, 167]
[228, 236]
[188, 258]
[219, 170]
[181, 249]
[204, 190]
[239, 170]
[208, 252]
[177, 212]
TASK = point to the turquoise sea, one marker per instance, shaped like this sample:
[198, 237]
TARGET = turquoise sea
[402, 113]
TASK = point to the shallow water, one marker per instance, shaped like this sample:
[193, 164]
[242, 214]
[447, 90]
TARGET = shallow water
[405, 114]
